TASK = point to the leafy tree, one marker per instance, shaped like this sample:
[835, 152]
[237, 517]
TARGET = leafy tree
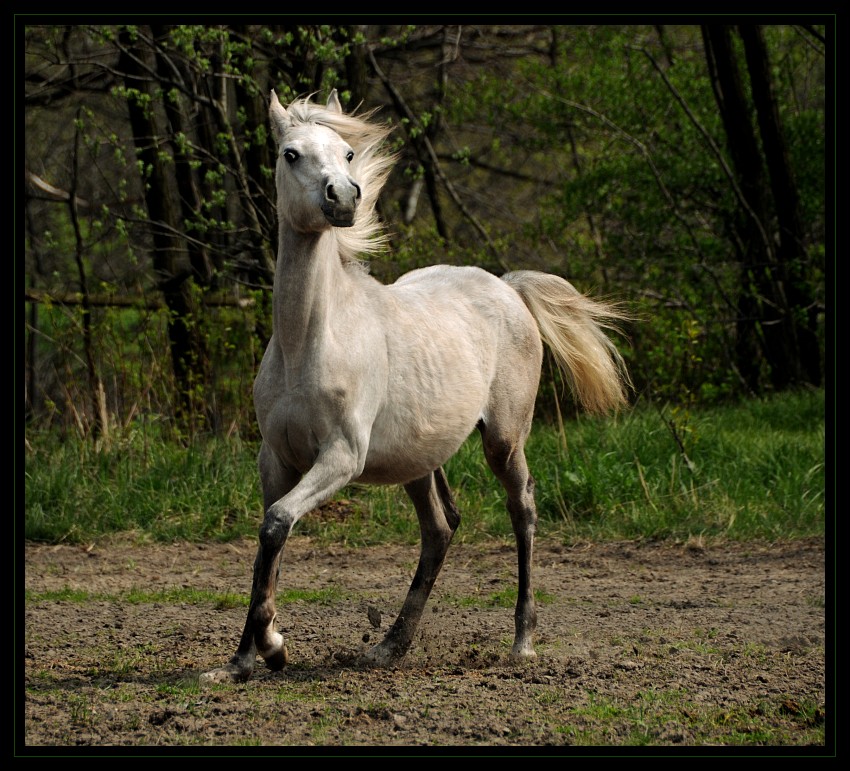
[642, 199]
[777, 298]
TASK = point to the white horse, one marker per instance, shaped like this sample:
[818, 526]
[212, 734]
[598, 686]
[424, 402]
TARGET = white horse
[363, 382]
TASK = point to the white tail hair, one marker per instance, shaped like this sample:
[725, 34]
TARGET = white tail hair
[573, 326]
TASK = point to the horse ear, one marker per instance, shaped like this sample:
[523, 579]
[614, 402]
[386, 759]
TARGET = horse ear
[333, 101]
[277, 117]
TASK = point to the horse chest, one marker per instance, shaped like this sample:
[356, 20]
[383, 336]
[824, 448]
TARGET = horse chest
[299, 412]
[297, 422]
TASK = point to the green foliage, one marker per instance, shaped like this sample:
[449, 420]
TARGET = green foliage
[129, 344]
[641, 205]
[598, 154]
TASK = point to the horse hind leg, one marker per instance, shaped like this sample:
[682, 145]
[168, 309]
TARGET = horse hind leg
[507, 460]
[438, 520]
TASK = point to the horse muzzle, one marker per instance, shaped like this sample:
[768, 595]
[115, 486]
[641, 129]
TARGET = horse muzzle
[341, 199]
[339, 216]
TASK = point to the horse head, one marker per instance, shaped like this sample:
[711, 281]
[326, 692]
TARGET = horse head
[314, 183]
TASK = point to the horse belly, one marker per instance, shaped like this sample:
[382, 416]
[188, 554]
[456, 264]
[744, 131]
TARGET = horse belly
[412, 436]
[402, 462]
[441, 361]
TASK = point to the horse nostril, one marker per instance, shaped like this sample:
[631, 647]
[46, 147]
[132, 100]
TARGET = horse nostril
[331, 194]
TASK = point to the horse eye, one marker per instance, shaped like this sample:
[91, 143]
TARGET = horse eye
[290, 155]
[349, 156]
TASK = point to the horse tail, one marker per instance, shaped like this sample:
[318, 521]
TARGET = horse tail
[573, 326]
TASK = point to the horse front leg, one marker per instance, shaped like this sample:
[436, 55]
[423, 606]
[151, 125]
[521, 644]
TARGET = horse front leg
[333, 469]
[258, 635]
[438, 520]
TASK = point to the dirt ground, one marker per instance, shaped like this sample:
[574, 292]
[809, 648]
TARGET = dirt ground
[652, 644]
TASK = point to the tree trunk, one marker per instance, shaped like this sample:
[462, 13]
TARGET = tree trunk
[259, 197]
[799, 322]
[188, 196]
[767, 327]
[186, 341]
[355, 66]
[100, 420]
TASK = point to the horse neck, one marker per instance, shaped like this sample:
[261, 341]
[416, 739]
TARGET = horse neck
[309, 278]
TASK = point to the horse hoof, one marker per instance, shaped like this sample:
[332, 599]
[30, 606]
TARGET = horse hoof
[279, 660]
[522, 656]
[224, 675]
[378, 656]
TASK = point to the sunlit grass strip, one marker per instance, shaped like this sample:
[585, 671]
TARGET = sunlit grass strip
[179, 595]
[748, 471]
[505, 598]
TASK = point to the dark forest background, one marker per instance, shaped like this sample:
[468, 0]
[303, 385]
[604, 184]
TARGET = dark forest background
[682, 169]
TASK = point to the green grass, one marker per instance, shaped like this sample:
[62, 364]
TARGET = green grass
[179, 595]
[755, 470]
[655, 712]
[505, 598]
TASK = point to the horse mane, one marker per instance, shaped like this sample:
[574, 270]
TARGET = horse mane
[370, 168]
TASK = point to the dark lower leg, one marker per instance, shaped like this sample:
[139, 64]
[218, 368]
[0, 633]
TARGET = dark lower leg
[507, 460]
[259, 634]
[524, 520]
[438, 520]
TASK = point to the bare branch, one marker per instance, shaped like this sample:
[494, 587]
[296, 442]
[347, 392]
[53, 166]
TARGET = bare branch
[54, 193]
[404, 110]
